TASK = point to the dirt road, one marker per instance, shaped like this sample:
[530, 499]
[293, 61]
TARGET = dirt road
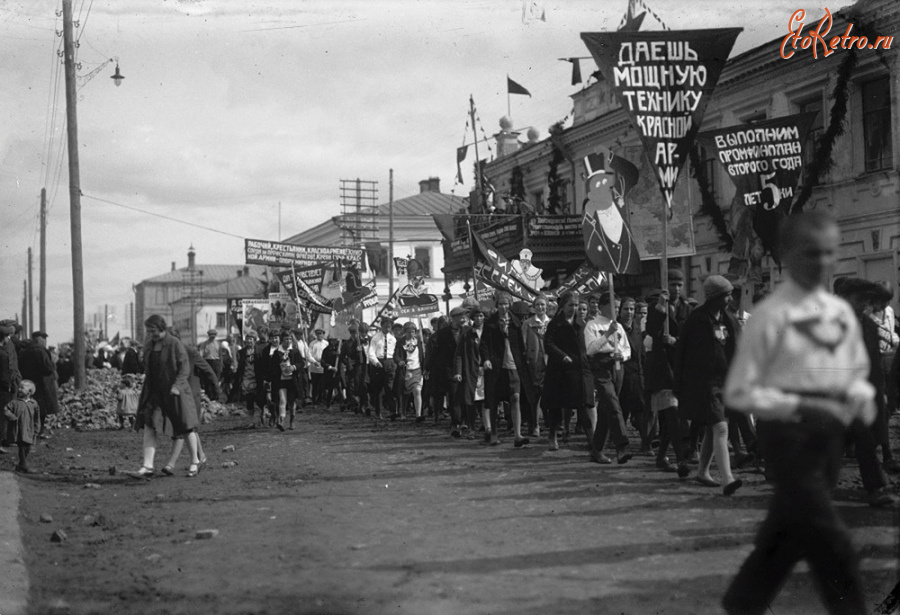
[345, 515]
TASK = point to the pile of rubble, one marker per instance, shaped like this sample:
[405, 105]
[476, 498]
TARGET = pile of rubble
[95, 406]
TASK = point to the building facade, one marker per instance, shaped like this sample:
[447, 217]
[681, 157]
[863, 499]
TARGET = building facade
[861, 187]
[195, 289]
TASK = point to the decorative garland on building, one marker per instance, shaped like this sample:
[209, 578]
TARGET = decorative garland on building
[822, 161]
[708, 205]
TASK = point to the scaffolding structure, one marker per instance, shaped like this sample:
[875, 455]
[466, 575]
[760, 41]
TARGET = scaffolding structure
[359, 212]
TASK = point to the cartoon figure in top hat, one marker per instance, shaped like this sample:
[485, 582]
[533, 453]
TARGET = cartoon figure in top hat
[608, 241]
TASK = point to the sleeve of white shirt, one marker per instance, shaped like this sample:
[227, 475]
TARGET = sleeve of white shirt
[624, 345]
[744, 387]
[370, 350]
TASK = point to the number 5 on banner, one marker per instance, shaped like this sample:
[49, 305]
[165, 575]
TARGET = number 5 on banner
[771, 187]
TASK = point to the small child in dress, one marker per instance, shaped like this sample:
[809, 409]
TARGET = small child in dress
[126, 407]
[23, 415]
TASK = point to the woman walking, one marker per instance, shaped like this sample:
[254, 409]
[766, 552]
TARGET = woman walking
[166, 405]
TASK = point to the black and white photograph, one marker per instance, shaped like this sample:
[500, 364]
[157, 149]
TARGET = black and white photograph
[428, 307]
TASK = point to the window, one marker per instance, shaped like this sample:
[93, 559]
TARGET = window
[811, 144]
[876, 104]
[423, 255]
[220, 320]
[537, 201]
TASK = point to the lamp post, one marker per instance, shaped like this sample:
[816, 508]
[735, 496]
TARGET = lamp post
[75, 192]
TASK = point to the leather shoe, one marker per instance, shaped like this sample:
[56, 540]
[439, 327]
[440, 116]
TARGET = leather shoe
[622, 456]
[601, 459]
[521, 442]
[683, 470]
[733, 486]
[882, 498]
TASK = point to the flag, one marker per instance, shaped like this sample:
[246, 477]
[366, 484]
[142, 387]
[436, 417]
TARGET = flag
[583, 281]
[632, 22]
[460, 156]
[114, 341]
[495, 270]
[576, 70]
[514, 88]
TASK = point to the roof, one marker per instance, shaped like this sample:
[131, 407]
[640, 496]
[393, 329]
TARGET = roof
[244, 286]
[424, 204]
[211, 273]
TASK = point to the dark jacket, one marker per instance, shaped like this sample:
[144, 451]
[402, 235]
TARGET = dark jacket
[36, 364]
[131, 363]
[566, 385]
[273, 366]
[9, 372]
[202, 377]
[440, 363]
[535, 360]
[493, 348]
[467, 363]
[634, 366]
[660, 361]
[701, 365]
[175, 370]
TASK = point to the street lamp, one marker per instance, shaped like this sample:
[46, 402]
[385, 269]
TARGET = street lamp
[117, 78]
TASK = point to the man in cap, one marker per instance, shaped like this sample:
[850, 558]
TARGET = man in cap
[439, 369]
[382, 369]
[9, 375]
[211, 352]
[353, 357]
[469, 376]
[801, 365]
[36, 364]
[860, 293]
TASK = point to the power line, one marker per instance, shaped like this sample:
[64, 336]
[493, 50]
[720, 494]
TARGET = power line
[151, 213]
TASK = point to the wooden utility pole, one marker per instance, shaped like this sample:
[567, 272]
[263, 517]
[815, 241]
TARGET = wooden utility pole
[74, 196]
[42, 284]
[390, 262]
[30, 292]
[25, 307]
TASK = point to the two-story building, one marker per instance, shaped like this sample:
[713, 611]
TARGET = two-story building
[861, 187]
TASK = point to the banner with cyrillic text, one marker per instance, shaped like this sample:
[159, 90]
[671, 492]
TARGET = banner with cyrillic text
[664, 81]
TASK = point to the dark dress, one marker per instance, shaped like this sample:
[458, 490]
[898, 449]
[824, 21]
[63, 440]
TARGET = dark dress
[493, 349]
[167, 365]
[36, 364]
[566, 385]
[467, 363]
[702, 358]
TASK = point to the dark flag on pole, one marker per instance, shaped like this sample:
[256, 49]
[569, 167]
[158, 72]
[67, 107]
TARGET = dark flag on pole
[664, 81]
[514, 88]
[495, 270]
[765, 161]
[460, 156]
[608, 242]
[576, 70]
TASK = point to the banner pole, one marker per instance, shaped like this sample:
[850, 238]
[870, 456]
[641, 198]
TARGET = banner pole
[664, 262]
[612, 315]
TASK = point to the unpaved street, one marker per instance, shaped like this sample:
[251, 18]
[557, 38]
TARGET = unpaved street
[345, 515]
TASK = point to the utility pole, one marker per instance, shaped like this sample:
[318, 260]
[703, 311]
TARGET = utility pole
[25, 307]
[105, 327]
[42, 284]
[74, 196]
[390, 262]
[30, 292]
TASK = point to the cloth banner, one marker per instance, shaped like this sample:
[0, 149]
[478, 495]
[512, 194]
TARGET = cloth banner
[608, 241]
[236, 315]
[664, 81]
[276, 253]
[283, 312]
[295, 286]
[765, 162]
[583, 281]
[256, 314]
[497, 271]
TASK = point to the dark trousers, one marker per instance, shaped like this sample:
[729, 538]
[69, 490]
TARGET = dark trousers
[741, 427]
[631, 398]
[317, 381]
[802, 523]
[381, 382]
[670, 433]
[610, 422]
[24, 449]
[866, 456]
[472, 411]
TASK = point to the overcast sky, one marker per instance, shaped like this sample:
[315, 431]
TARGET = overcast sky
[230, 107]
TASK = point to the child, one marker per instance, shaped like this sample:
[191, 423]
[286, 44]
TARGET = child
[126, 407]
[23, 415]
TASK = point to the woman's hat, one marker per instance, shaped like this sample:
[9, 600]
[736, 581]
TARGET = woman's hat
[715, 286]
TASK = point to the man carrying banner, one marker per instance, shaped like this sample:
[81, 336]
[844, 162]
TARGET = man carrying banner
[607, 347]
[382, 368]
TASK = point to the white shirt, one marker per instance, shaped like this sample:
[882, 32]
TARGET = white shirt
[413, 356]
[316, 348]
[597, 341]
[381, 346]
[800, 341]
